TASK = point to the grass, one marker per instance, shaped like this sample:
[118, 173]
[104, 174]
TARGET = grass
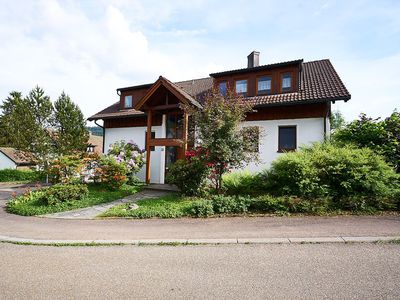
[97, 195]
[168, 206]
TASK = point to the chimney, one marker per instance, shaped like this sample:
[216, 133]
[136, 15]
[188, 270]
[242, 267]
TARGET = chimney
[253, 59]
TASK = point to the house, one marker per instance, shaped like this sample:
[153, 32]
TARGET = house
[95, 144]
[291, 100]
[11, 158]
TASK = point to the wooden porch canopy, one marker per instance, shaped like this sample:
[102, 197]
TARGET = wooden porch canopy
[156, 101]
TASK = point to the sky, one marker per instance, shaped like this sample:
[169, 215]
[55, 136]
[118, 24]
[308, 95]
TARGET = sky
[90, 48]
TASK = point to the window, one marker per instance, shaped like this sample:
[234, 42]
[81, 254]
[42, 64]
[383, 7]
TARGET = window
[174, 126]
[287, 138]
[251, 137]
[128, 101]
[241, 87]
[222, 88]
[286, 83]
[264, 85]
[153, 136]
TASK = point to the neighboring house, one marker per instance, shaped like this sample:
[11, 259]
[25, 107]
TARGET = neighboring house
[95, 144]
[11, 158]
[292, 104]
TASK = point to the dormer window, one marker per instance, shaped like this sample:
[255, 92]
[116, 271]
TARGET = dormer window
[222, 88]
[286, 83]
[264, 85]
[128, 102]
[241, 87]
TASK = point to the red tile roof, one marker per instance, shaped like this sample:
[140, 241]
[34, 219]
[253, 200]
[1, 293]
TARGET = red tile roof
[318, 82]
[20, 158]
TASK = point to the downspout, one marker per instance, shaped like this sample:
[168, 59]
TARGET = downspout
[104, 132]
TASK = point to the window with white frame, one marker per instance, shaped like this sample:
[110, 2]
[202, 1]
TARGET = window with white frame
[264, 85]
[286, 82]
[128, 101]
[241, 87]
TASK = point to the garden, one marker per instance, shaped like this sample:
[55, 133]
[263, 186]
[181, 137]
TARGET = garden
[83, 179]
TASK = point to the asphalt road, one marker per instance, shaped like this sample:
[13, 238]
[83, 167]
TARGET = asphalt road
[307, 271]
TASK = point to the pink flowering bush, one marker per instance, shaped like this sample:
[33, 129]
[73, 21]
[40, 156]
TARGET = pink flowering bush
[129, 154]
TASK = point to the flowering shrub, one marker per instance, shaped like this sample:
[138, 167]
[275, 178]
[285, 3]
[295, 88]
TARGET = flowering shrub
[130, 154]
[110, 172]
[189, 174]
[66, 169]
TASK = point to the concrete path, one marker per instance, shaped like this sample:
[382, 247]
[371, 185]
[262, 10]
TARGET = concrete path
[94, 211]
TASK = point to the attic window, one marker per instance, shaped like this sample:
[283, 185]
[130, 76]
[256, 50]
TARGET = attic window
[128, 101]
[264, 85]
[222, 88]
[286, 82]
[241, 87]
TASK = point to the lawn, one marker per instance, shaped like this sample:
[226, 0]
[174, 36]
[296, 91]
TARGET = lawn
[97, 195]
[168, 206]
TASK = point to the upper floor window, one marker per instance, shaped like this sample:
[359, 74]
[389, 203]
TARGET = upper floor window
[222, 88]
[286, 83]
[241, 87]
[264, 85]
[287, 139]
[128, 101]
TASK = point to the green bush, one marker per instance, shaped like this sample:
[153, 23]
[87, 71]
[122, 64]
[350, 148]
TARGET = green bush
[324, 170]
[241, 183]
[202, 208]
[286, 204]
[63, 193]
[8, 175]
[188, 175]
[228, 204]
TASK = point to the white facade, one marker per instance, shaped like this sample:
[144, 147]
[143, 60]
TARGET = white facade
[6, 163]
[309, 130]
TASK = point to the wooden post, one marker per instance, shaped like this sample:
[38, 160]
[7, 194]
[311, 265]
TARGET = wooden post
[185, 131]
[148, 151]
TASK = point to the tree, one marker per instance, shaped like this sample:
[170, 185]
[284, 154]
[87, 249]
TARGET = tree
[382, 136]
[41, 108]
[17, 121]
[337, 120]
[24, 123]
[219, 133]
[70, 123]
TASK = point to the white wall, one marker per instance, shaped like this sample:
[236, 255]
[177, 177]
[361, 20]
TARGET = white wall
[6, 163]
[308, 130]
[137, 135]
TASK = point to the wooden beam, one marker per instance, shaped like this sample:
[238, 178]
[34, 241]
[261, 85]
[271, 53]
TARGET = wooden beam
[148, 150]
[164, 107]
[185, 131]
[166, 142]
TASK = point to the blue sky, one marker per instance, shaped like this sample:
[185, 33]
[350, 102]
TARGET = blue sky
[90, 48]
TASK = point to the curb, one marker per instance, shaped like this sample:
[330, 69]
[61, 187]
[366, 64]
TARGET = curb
[176, 242]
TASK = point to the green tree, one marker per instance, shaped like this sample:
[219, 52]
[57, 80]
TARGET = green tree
[70, 123]
[17, 121]
[337, 120]
[219, 133]
[25, 122]
[41, 108]
[382, 136]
